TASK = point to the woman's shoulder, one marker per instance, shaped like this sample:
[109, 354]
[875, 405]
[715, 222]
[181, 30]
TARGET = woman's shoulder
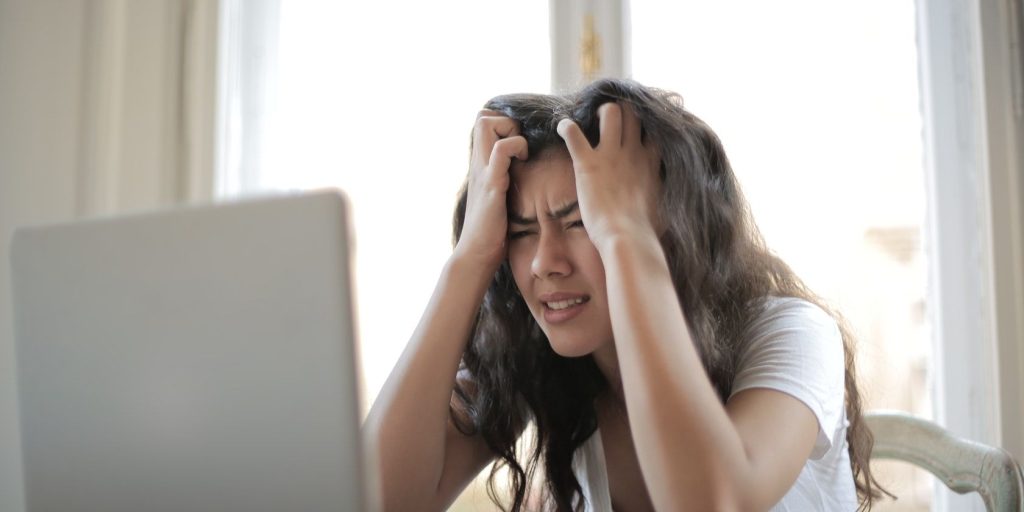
[775, 312]
[791, 338]
[796, 346]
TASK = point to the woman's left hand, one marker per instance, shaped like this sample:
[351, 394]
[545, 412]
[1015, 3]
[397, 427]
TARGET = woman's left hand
[616, 182]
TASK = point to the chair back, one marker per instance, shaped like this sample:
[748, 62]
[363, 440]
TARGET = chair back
[964, 466]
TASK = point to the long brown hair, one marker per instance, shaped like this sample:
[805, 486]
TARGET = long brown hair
[720, 266]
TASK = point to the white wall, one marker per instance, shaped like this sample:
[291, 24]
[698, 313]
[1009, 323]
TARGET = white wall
[40, 82]
[105, 106]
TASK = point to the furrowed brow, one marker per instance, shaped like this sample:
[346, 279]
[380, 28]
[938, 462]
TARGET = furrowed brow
[564, 211]
[515, 218]
[560, 213]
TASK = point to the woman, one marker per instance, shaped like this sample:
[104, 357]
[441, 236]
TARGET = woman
[609, 286]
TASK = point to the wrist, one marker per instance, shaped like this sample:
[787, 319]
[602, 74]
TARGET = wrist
[637, 260]
[466, 269]
[632, 238]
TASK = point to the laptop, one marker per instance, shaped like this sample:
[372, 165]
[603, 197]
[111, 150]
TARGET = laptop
[198, 359]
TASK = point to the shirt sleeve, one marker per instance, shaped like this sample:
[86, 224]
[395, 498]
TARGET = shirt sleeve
[795, 347]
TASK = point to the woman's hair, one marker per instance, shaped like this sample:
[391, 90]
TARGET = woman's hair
[720, 267]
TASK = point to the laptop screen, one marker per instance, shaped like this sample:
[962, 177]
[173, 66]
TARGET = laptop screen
[195, 359]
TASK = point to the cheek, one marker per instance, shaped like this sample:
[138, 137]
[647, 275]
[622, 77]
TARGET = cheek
[593, 271]
[519, 258]
[588, 261]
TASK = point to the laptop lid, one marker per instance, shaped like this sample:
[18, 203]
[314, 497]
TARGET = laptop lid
[195, 359]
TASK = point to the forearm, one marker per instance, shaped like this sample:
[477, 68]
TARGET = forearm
[690, 454]
[407, 423]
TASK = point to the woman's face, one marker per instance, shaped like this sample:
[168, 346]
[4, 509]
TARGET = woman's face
[557, 269]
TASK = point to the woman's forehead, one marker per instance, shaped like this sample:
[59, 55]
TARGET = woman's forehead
[547, 183]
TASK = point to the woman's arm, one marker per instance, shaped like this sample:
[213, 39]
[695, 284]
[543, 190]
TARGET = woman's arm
[424, 460]
[694, 453]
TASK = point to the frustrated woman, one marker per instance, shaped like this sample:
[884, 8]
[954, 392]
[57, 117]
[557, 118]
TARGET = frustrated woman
[609, 286]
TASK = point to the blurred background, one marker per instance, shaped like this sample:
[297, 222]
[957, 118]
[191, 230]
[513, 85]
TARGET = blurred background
[876, 142]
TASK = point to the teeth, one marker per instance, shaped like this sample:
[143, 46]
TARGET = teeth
[562, 304]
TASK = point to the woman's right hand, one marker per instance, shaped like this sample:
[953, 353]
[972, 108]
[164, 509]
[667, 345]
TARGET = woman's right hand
[496, 141]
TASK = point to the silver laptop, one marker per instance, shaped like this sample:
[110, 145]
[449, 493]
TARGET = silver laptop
[200, 359]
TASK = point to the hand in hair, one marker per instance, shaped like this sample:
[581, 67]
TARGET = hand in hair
[617, 181]
[496, 141]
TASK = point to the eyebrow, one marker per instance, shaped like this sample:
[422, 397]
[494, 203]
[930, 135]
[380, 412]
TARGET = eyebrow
[560, 213]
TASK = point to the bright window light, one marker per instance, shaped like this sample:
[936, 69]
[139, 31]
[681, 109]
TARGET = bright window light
[371, 99]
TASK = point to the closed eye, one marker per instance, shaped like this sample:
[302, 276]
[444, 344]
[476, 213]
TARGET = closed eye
[576, 224]
[515, 235]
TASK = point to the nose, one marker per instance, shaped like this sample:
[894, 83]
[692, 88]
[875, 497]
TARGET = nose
[551, 258]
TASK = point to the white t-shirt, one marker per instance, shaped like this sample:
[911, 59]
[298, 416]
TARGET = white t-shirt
[793, 347]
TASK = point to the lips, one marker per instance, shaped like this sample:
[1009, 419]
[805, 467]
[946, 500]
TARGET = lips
[562, 306]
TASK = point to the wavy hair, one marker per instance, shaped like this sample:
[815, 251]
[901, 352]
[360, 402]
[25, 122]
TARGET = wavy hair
[720, 267]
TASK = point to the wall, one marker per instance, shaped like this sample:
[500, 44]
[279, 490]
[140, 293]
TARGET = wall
[105, 106]
[40, 83]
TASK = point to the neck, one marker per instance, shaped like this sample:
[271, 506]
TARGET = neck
[607, 361]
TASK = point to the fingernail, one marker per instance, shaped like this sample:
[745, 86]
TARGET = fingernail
[562, 124]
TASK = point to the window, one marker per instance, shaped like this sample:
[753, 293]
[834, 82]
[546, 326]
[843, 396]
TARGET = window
[818, 105]
[367, 97]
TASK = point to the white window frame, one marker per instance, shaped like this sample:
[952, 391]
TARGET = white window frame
[599, 27]
[973, 109]
[972, 105]
[1002, 23]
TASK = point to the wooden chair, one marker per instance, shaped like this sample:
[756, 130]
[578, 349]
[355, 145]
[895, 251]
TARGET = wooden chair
[964, 466]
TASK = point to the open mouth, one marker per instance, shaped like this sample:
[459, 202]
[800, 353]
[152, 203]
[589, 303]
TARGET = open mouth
[559, 305]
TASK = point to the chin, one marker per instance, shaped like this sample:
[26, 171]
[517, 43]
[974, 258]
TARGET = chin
[568, 347]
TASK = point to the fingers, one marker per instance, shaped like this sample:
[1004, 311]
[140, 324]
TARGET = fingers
[489, 122]
[609, 118]
[617, 123]
[508, 148]
[630, 126]
[575, 141]
[490, 127]
[504, 151]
